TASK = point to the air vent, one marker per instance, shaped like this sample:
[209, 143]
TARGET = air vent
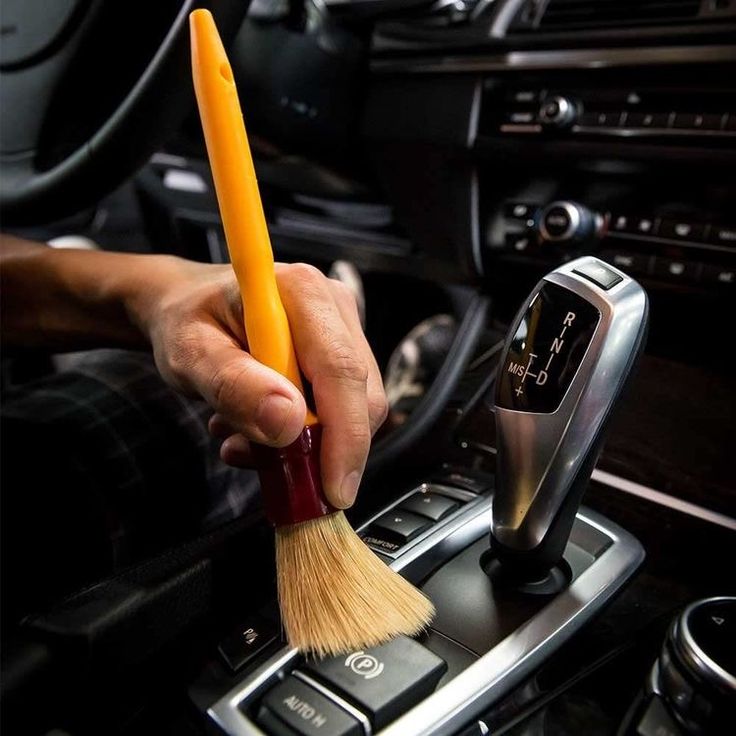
[581, 14]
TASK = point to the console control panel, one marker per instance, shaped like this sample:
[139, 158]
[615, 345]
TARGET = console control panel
[660, 245]
[629, 112]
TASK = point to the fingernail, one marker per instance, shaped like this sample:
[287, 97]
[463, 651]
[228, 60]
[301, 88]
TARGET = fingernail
[349, 488]
[272, 415]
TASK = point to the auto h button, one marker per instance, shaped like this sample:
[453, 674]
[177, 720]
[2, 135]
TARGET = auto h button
[383, 682]
[292, 707]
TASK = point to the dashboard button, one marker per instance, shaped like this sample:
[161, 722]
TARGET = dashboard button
[718, 274]
[672, 268]
[622, 224]
[730, 122]
[600, 119]
[697, 121]
[431, 505]
[518, 242]
[306, 711]
[400, 526]
[722, 235]
[599, 274]
[519, 210]
[681, 230]
[383, 682]
[628, 262]
[247, 641]
[645, 226]
[646, 120]
[520, 117]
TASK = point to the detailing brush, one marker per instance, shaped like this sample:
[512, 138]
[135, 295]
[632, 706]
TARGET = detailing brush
[335, 594]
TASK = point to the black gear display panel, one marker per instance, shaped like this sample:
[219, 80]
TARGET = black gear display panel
[546, 351]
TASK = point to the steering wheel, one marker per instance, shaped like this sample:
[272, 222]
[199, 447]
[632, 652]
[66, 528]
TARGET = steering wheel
[88, 90]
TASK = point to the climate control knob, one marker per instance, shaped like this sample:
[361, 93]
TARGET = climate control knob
[567, 222]
[557, 112]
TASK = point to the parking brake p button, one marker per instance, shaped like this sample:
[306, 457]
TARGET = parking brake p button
[383, 682]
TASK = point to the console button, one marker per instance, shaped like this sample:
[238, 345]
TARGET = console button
[730, 122]
[681, 230]
[722, 235]
[247, 641]
[646, 120]
[518, 242]
[600, 119]
[306, 711]
[399, 526]
[519, 210]
[431, 505]
[628, 262]
[557, 222]
[598, 274]
[622, 224]
[672, 268]
[383, 681]
[520, 117]
[697, 121]
[718, 274]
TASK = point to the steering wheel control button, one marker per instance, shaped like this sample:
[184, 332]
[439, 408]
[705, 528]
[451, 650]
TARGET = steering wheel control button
[599, 274]
[383, 682]
[430, 505]
[399, 526]
[246, 642]
[304, 711]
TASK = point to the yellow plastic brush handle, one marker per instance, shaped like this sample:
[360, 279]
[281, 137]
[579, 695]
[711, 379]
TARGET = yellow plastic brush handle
[246, 233]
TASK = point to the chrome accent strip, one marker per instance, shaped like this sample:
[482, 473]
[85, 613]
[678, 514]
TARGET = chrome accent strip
[225, 711]
[649, 132]
[559, 59]
[337, 700]
[475, 222]
[663, 499]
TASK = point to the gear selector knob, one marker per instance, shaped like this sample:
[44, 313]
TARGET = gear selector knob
[568, 355]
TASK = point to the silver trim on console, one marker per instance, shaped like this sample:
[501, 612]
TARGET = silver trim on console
[559, 59]
[467, 696]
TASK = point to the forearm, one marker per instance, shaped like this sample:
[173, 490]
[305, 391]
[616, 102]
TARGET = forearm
[63, 299]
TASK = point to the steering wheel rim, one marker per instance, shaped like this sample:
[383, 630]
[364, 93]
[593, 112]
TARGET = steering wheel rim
[157, 104]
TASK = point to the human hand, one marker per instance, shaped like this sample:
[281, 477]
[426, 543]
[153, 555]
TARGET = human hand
[195, 324]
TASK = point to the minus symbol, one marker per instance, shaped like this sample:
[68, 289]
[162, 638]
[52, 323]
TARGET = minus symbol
[551, 356]
[562, 334]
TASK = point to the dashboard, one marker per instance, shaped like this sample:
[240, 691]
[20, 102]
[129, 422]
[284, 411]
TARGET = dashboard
[455, 152]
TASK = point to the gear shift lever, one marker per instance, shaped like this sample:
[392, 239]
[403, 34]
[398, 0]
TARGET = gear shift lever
[569, 353]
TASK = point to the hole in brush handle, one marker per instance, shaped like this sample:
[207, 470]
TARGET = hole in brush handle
[291, 479]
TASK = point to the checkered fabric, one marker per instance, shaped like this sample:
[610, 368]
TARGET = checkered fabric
[121, 441]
